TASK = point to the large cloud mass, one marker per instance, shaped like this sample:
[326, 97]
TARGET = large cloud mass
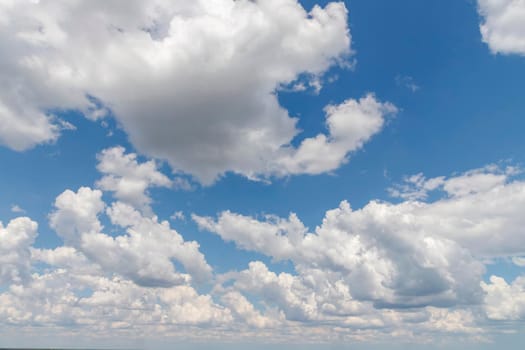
[410, 254]
[193, 82]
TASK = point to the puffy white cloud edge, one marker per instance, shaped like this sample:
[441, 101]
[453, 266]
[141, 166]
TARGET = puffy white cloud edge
[503, 25]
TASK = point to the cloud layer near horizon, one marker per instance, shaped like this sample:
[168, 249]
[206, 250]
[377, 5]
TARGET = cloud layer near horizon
[363, 273]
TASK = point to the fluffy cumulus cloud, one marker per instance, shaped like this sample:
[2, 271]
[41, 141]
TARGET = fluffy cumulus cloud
[129, 179]
[362, 274]
[480, 209]
[191, 82]
[68, 297]
[389, 256]
[245, 312]
[503, 26]
[143, 254]
[15, 241]
[376, 253]
[350, 124]
[310, 299]
[505, 301]
[106, 283]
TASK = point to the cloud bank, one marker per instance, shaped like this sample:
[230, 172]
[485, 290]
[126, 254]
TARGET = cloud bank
[413, 269]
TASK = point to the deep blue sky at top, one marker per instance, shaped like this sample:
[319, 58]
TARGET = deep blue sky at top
[467, 113]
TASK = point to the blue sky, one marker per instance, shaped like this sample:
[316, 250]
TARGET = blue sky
[284, 172]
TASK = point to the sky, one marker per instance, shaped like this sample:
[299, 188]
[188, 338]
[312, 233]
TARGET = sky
[262, 174]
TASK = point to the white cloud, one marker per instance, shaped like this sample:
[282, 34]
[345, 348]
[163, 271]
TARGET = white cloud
[74, 299]
[301, 298]
[144, 254]
[15, 208]
[129, 179]
[411, 254]
[178, 215]
[330, 311]
[274, 236]
[100, 283]
[417, 187]
[156, 243]
[503, 26]
[406, 270]
[77, 214]
[350, 125]
[453, 321]
[384, 265]
[385, 270]
[505, 301]
[477, 181]
[23, 126]
[481, 212]
[519, 261]
[106, 305]
[15, 240]
[379, 252]
[77, 292]
[68, 259]
[245, 311]
[190, 82]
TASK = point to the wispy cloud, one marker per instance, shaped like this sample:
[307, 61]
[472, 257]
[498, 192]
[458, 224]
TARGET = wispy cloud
[407, 82]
